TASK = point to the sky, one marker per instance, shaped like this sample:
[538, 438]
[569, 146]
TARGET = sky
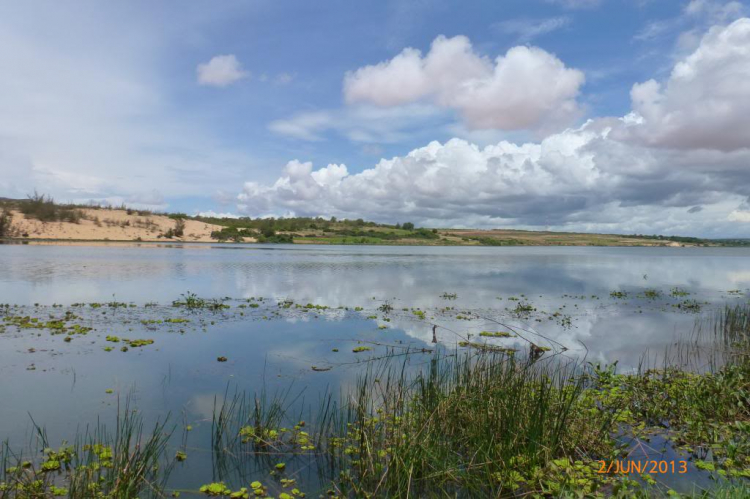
[618, 116]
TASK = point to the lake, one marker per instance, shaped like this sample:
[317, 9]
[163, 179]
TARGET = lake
[288, 308]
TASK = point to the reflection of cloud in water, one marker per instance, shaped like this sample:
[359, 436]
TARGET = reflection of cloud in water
[419, 280]
[405, 276]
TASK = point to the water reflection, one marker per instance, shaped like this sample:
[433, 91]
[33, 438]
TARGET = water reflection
[569, 288]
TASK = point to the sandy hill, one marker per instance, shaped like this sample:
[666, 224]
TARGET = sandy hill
[110, 225]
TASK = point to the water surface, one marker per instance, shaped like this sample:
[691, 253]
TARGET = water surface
[593, 304]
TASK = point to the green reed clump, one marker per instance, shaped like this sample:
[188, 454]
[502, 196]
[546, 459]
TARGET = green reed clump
[100, 464]
[732, 328]
[485, 423]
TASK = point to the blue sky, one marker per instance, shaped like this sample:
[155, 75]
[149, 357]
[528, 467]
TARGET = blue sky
[240, 107]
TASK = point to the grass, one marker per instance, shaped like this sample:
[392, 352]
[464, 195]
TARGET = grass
[125, 463]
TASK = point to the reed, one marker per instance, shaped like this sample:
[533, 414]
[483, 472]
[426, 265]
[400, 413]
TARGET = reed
[126, 462]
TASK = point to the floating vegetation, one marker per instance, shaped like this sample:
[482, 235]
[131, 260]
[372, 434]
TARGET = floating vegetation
[221, 359]
[216, 489]
[496, 334]
[619, 294]
[449, 296]
[55, 326]
[192, 301]
[689, 306]
[130, 343]
[361, 349]
[386, 307]
[652, 294]
[523, 309]
[138, 343]
[484, 347]
[679, 292]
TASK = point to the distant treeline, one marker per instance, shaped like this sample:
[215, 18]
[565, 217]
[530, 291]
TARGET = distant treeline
[297, 223]
[269, 230]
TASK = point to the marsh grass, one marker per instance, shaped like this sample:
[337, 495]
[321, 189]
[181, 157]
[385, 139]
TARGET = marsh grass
[127, 462]
[467, 422]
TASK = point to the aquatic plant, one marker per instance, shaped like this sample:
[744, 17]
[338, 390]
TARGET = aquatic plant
[496, 334]
[652, 294]
[124, 463]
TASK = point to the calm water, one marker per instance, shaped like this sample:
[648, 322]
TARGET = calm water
[566, 292]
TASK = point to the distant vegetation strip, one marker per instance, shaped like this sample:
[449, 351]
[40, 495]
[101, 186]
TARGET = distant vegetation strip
[318, 230]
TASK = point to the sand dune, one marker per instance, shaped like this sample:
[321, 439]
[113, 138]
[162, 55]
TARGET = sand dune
[110, 225]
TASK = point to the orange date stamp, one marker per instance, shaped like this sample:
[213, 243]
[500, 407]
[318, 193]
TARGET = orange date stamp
[651, 466]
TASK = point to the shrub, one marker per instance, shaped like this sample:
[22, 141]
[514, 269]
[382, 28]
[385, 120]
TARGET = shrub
[6, 219]
[43, 208]
[179, 227]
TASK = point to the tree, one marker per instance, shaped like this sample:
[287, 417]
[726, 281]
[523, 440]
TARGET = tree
[408, 226]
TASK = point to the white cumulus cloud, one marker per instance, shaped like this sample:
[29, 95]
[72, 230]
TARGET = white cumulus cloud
[221, 71]
[678, 163]
[525, 88]
[706, 100]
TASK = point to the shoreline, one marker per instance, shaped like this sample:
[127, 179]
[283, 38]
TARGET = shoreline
[93, 242]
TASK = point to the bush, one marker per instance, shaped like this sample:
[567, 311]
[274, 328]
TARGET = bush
[6, 219]
[179, 227]
[43, 208]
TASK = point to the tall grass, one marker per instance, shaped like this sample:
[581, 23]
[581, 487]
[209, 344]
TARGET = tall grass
[128, 462]
[465, 423]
